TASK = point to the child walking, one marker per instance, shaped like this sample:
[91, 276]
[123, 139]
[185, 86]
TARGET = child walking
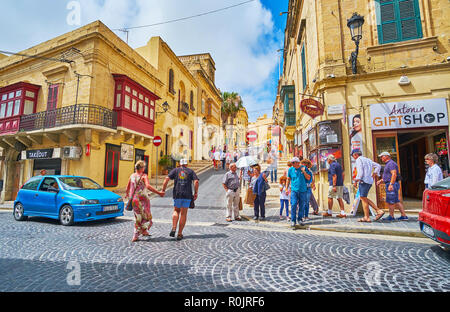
[284, 198]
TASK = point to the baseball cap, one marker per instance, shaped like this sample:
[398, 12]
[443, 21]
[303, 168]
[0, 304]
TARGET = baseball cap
[183, 162]
[295, 159]
[356, 150]
[385, 154]
[331, 157]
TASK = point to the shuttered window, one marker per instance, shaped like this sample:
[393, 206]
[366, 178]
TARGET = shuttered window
[303, 67]
[398, 20]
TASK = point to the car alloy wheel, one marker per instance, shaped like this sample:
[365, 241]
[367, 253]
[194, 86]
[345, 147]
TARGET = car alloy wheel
[66, 215]
[19, 212]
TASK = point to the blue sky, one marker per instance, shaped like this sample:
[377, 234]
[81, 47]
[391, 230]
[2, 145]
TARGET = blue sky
[242, 40]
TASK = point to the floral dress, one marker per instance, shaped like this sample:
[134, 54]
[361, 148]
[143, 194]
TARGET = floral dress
[141, 204]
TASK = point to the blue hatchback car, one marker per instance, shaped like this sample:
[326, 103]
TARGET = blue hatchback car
[68, 199]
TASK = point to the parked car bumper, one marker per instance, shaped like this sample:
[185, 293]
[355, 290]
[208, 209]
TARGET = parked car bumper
[96, 212]
[440, 226]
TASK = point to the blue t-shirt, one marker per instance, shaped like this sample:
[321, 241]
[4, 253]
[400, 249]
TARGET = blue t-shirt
[387, 175]
[335, 169]
[298, 181]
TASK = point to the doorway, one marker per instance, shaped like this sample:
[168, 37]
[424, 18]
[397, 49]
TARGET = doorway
[408, 149]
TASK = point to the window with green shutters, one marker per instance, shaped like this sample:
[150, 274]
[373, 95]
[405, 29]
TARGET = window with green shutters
[303, 67]
[398, 20]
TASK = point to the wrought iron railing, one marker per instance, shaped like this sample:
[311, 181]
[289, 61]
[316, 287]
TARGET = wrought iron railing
[184, 108]
[80, 114]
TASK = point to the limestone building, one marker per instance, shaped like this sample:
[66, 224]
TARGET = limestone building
[397, 101]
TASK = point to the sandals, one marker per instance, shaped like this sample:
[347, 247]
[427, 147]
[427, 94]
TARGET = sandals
[179, 237]
[172, 233]
[364, 220]
[379, 216]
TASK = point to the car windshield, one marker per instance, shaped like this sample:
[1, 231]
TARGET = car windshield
[76, 183]
[441, 185]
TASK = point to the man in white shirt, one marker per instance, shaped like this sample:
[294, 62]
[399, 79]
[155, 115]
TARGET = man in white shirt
[216, 159]
[434, 172]
[366, 170]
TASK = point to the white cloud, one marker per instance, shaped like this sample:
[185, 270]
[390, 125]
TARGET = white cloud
[242, 40]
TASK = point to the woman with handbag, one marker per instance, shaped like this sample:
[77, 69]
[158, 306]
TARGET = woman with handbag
[139, 202]
[259, 190]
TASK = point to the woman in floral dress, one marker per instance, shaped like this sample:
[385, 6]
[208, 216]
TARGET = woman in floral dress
[141, 203]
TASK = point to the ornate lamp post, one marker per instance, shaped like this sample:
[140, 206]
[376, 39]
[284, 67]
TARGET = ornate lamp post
[165, 107]
[355, 24]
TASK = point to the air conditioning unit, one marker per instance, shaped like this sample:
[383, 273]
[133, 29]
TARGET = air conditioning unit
[71, 152]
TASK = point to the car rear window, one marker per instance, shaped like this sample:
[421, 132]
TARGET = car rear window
[441, 185]
[32, 184]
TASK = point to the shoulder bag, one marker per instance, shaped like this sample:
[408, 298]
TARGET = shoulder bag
[129, 206]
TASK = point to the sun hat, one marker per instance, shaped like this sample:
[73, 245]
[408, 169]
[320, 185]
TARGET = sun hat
[183, 162]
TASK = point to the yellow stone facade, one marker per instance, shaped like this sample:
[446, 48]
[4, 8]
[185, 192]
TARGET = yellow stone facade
[97, 54]
[319, 28]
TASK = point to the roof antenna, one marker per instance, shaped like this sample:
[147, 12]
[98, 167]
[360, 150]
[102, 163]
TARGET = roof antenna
[125, 30]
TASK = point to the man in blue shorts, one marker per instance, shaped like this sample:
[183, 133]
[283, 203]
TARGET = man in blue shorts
[182, 194]
[366, 170]
[390, 178]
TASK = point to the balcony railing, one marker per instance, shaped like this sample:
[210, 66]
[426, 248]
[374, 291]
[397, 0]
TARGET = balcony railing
[80, 114]
[183, 108]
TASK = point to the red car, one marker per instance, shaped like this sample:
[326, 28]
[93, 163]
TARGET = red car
[434, 219]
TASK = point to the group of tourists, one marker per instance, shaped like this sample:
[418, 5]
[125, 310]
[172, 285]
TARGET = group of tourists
[223, 158]
[295, 185]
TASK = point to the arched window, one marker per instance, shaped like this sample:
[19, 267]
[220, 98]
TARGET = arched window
[171, 81]
[191, 100]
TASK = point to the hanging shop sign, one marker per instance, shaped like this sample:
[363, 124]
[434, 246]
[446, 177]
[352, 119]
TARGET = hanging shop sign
[411, 114]
[311, 107]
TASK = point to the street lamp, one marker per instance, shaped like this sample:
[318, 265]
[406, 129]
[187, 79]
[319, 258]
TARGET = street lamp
[355, 24]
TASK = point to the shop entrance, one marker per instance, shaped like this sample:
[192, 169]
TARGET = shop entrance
[52, 166]
[408, 149]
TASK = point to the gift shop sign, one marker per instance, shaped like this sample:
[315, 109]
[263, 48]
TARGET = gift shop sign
[412, 114]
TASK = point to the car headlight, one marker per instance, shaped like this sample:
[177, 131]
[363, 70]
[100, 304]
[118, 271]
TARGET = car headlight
[90, 202]
[120, 200]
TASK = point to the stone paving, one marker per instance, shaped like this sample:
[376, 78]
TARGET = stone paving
[246, 256]
[35, 256]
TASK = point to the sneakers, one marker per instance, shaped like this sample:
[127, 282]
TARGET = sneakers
[389, 218]
[405, 218]
[293, 224]
[255, 218]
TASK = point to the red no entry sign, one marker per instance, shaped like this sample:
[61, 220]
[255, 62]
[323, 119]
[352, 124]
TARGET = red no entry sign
[157, 141]
[252, 136]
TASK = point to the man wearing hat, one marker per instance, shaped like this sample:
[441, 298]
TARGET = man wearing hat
[336, 188]
[182, 195]
[296, 185]
[366, 169]
[391, 178]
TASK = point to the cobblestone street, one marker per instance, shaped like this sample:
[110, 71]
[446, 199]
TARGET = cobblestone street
[214, 256]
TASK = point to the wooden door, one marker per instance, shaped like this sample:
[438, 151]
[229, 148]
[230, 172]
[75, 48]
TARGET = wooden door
[385, 142]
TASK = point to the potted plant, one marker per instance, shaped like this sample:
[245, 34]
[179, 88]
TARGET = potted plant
[165, 162]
